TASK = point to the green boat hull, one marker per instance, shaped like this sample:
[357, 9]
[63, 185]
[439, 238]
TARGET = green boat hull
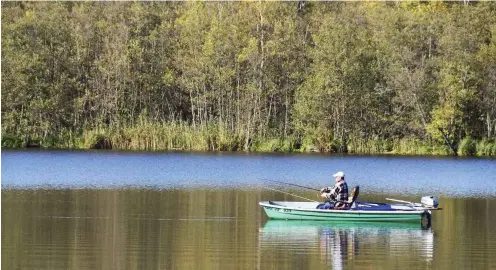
[343, 215]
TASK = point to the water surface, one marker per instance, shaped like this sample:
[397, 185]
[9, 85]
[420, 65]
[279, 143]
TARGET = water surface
[138, 210]
[443, 176]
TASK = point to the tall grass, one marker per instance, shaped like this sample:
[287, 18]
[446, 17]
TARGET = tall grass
[467, 147]
[375, 146]
[168, 136]
[404, 146]
[289, 144]
[485, 148]
[9, 141]
[145, 135]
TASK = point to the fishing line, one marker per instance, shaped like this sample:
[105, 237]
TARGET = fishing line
[289, 194]
[290, 184]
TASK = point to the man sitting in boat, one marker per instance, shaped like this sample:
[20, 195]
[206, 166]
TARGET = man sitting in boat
[337, 195]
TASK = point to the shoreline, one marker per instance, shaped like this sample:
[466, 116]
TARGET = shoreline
[400, 147]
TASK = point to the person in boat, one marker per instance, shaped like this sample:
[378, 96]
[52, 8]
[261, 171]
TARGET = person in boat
[335, 196]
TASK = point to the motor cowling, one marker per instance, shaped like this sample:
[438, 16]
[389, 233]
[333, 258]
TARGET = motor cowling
[429, 201]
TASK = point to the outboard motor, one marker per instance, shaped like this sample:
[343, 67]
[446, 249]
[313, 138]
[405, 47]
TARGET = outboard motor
[429, 201]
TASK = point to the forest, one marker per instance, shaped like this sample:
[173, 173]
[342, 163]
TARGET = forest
[341, 77]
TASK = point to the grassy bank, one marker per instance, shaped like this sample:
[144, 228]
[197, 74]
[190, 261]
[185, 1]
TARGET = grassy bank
[181, 136]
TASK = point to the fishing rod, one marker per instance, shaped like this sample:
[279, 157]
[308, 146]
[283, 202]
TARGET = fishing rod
[280, 182]
[401, 201]
[289, 194]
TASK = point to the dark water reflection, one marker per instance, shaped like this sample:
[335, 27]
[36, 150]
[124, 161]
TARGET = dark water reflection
[226, 229]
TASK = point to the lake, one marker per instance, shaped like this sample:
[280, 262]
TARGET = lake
[173, 210]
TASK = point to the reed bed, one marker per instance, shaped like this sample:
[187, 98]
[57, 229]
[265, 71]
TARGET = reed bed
[149, 136]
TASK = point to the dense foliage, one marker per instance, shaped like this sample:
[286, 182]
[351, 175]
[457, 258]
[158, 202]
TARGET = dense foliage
[403, 77]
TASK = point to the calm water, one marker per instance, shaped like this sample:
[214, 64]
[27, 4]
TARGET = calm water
[129, 210]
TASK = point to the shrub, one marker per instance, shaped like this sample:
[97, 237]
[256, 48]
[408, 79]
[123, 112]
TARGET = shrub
[97, 140]
[11, 141]
[467, 147]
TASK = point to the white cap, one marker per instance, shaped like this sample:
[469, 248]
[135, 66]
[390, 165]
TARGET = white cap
[338, 174]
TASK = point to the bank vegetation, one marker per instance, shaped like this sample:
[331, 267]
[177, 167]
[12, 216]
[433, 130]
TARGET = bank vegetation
[367, 77]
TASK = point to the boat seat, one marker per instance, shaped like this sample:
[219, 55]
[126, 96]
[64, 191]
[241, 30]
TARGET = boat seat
[351, 199]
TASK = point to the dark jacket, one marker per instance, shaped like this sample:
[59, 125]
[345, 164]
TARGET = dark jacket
[337, 193]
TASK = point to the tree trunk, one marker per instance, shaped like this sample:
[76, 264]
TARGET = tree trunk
[450, 144]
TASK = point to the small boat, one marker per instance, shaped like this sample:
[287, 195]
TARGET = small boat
[357, 211]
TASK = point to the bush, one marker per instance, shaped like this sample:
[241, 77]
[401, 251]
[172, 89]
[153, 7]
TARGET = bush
[49, 142]
[338, 146]
[308, 144]
[483, 148]
[467, 147]
[97, 140]
[290, 144]
[270, 145]
[11, 142]
[486, 148]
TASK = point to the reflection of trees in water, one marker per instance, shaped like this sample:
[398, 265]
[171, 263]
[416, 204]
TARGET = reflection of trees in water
[337, 245]
[341, 244]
